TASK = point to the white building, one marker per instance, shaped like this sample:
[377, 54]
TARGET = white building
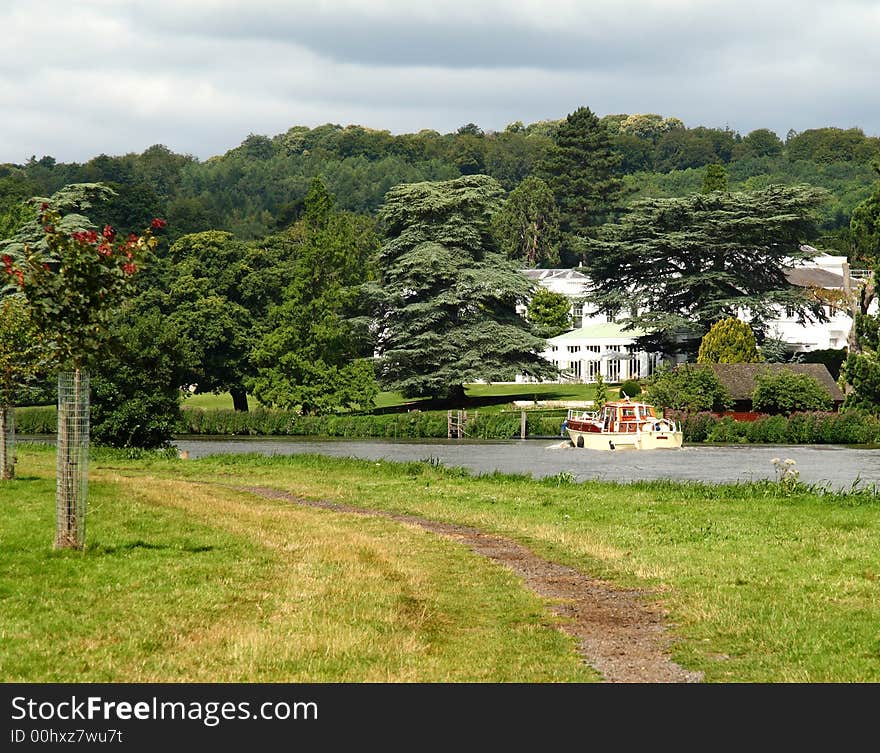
[824, 272]
[596, 345]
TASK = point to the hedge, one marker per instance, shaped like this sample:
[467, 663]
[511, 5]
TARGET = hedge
[808, 427]
[803, 427]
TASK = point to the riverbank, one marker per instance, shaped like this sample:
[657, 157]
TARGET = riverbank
[188, 577]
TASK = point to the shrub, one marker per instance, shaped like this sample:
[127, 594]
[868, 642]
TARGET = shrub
[695, 426]
[601, 393]
[37, 420]
[787, 392]
[728, 341]
[768, 430]
[803, 427]
[690, 388]
[728, 430]
[630, 388]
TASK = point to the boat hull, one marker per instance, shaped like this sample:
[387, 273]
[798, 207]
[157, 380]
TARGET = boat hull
[633, 440]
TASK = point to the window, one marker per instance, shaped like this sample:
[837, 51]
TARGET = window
[574, 348]
[614, 371]
[577, 315]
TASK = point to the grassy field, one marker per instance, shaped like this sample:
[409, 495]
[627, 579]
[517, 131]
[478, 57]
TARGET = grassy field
[187, 579]
[191, 582]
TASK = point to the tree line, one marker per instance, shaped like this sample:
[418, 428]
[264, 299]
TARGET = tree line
[429, 284]
[259, 187]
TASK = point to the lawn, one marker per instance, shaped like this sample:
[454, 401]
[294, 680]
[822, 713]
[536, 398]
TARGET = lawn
[202, 583]
[186, 578]
[214, 401]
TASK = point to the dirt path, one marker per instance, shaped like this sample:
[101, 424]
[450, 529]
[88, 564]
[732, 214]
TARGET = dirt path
[618, 634]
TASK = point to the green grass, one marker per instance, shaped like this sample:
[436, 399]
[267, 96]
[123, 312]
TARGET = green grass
[210, 400]
[194, 582]
[757, 585]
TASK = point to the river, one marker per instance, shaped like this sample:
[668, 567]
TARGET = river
[834, 465]
[837, 466]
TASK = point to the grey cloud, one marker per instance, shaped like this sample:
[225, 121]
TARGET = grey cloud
[200, 75]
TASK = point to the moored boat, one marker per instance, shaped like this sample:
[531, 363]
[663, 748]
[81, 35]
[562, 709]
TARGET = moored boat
[621, 425]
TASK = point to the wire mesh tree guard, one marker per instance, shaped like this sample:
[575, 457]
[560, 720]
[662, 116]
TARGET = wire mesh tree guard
[73, 459]
[7, 442]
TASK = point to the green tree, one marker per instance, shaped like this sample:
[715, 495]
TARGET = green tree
[861, 370]
[527, 225]
[67, 208]
[648, 126]
[784, 392]
[21, 358]
[582, 171]
[14, 214]
[680, 265]
[688, 387]
[680, 149]
[136, 386]
[865, 231]
[761, 142]
[549, 312]
[714, 179]
[204, 307]
[511, 156]
[729, 341]
[830, 145]
[775, 350]
[862, 374]
[447, 297]
[309, 357]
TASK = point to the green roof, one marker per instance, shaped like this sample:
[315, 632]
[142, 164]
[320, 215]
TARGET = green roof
[601, 331]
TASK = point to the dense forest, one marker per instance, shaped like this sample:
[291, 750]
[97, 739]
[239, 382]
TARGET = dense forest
[260, 186]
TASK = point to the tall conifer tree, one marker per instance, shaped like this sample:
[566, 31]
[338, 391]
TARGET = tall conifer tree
[582, 172]
[448, 297]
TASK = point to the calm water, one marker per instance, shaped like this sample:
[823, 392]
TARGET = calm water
[835, 465]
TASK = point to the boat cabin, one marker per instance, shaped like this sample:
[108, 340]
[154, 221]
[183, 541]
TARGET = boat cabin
[626, 416]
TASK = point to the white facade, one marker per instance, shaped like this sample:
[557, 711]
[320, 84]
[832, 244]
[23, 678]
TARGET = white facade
[599, 348]
[827, 272]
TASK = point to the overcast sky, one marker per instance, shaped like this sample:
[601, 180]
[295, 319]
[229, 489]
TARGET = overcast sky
[82, 77]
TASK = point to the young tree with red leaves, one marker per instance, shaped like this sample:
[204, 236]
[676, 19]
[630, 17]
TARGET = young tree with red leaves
[73, 281]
